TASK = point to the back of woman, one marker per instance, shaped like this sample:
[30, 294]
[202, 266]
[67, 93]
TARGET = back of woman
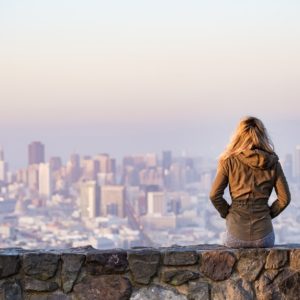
[251, 168]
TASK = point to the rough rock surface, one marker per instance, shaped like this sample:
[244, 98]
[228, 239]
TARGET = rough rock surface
[9, 265]
[11, 290]
[71, 266]
[239, 290]
[233, 289]
[180, 258]
[267, 286]
[178, 277]
[290, 286]
[295, 259]
[217, 265]
[156, 292]
[108, 287]
[198, 291]
[40, 265]
[143, 265]
[276, 259]
[250, 263]
[219, 292]
[199, 272]
[32, 284]
[47, 296]
[106, 262]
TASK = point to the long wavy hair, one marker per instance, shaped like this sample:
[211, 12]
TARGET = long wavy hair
[250, 134]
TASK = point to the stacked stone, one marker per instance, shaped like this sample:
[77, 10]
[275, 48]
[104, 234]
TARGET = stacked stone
[203, 272]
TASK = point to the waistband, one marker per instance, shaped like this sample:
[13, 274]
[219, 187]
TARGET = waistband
[249, 201]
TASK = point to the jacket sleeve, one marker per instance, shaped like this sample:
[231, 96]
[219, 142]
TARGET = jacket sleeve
[282, 191]
[217, 191]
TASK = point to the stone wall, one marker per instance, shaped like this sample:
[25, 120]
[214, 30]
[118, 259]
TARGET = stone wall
[180, 273]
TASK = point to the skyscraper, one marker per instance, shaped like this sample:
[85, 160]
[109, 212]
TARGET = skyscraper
[55, 163]
[73, 168]
[297, 163]
[1, 153]
[107, 169]
[151, 160]
[33, 177]
[3, 167]
[45, 180]
[103, 160]
[166, 164]
[166, 159]
[156, 203]
[36, 153]
[113, 200]
[288, 166]
[90, 168]
[89, 199]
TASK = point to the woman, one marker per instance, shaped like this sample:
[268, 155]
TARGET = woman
[251, 168]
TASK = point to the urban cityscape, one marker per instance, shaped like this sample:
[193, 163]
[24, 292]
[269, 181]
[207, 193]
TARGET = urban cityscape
[146, 199]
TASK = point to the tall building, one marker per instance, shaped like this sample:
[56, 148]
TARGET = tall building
[90, 168]
[73, 168]
[45, 180]
[103, 160]
[166, 165]
[151, 176]
[3, 167]
[176, 176]
[206, 180]
[106, 179]
[3, 171]
[156, 202]
[288, 166]
[112, 165]
[132, 197]
[113, 200]
[36, 153]
[33, 177]
[21, 175]
[55, 163]
[89, 199]
[297, 163]
[166, 159]
[151, 160]
[1, 154]
[107, 169]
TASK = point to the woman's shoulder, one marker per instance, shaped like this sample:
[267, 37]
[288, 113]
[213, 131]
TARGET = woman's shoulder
[229, 163]
[227, 160]
[226, 163]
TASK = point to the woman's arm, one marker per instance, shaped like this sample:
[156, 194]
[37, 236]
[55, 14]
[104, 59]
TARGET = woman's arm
[217, 191]
[283, 193]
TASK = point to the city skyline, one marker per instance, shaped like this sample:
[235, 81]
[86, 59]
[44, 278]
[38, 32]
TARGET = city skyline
[207, 139]
[142, 199]
[37, 157]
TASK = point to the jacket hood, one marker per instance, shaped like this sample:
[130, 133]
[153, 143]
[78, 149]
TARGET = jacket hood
[258, 159]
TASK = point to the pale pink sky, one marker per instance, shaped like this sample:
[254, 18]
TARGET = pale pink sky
[71, 64]
[74, 60]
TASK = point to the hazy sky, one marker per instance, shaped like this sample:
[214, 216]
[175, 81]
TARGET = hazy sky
[141, 75]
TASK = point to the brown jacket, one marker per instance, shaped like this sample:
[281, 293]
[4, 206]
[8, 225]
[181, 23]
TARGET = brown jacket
[251, 176]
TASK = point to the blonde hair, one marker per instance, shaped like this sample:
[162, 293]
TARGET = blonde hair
[250, 133]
